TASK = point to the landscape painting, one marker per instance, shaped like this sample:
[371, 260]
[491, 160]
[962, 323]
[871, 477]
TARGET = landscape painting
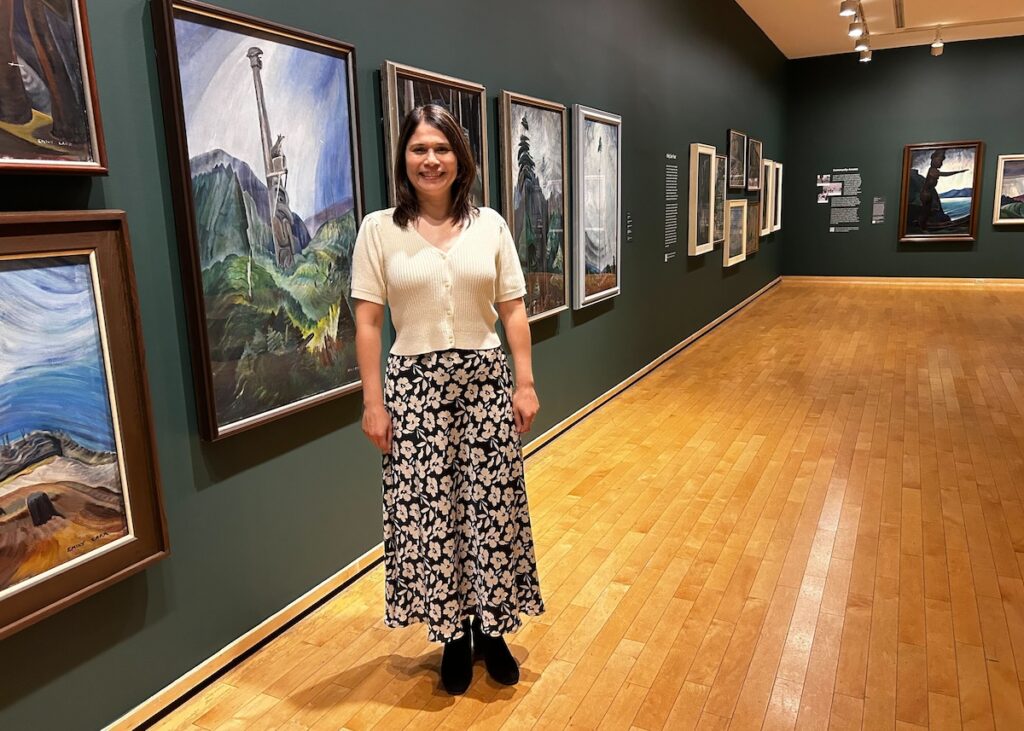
[735, 249]
[535, 182]
[49, 110]
[406, 88]
[721, 169]
[701, 223]
[753, 165]
[737, 160]
[61, 487]
[941, 186]
[273, 201]
[1009, 206]
[597, 174]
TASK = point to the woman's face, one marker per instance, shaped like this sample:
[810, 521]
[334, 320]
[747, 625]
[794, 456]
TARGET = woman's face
[430, 162]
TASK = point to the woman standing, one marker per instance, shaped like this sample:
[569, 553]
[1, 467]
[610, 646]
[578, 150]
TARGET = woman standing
[458, 549]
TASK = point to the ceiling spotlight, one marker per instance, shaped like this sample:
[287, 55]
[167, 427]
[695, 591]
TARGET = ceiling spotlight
[848, 8]
[937, 44]
[861, 44]
[865, 55]
[856, 28]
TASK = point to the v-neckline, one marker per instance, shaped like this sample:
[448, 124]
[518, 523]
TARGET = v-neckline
[454, 240]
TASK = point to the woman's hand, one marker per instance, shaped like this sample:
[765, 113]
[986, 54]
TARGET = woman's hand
[377, 426]
[524, 407]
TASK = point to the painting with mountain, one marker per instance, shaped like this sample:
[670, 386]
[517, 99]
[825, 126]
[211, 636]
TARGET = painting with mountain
[61, 486]
[941, 185]
[1009, 207]
[273, 190]
[535, 180]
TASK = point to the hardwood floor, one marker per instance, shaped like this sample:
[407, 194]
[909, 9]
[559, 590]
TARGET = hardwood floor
[812, 518]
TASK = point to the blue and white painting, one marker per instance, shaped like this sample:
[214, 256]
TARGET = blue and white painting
[61, 494]
[273, 169]
[940, 184]
[600, 206]
[1010, 190]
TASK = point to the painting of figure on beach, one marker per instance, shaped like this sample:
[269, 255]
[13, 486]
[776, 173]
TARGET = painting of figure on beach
[48, 106]
[941, 185]
[535, 178]
[1009, 207]
[61, 488]
[272, 162]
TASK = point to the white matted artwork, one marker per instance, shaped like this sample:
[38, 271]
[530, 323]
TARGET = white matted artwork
[1009, 196]
[767, 196]
[735, 249]
[702, 199]
[597, 177]
[777, 208]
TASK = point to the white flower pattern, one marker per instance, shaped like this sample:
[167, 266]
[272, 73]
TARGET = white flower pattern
[457, 536]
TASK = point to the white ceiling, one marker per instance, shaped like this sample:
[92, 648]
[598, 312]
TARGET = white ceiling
[802, 28]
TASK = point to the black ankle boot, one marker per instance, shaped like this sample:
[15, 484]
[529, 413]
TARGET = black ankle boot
[497, 657]
[457, 663]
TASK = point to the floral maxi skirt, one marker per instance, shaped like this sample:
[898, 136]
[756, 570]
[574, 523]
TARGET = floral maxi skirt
[457, 538]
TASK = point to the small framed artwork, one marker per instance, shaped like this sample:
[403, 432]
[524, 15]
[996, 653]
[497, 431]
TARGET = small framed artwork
[50, 120]
[80, 500]
[702, 199]
[406, 88]
[777, 208]
[735, 249]
[737, 148]
[767, 196]
[753, 165]
[267, 209]
[1009, 207]
[721, 172]
[535, 183]
[597, 180]
[753, 227]
[940, 191]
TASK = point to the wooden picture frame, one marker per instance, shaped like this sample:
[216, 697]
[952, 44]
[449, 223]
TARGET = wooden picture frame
[754, 156]
[1008, 210]
[767, 197]
[777, 208]
[406, 87]
[928, 220]
[597, 220]
[736, 149]
[69, 137]
[78, 463]
[735, 249]
[701, 222]
[753, 229]
[536, 209]
[265, 342]
[721, 188]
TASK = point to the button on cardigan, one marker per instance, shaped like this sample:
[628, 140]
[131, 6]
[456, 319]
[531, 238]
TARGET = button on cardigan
[440, 300]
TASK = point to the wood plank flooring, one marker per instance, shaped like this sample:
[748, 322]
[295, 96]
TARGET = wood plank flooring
[812, 518]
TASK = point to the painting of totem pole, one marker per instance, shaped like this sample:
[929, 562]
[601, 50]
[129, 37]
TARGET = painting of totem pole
[406, 88]
[80, 503]
[701, 221]
[721, 170]
[535, 176]
[263, 142]
[777, 208]
[49, 109]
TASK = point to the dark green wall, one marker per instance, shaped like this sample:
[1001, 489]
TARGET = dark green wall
[260, 518]
[842, 113]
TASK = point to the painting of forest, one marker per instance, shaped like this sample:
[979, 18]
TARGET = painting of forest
[600, 206]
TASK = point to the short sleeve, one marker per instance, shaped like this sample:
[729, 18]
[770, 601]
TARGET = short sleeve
[510, 282]
[368, 264]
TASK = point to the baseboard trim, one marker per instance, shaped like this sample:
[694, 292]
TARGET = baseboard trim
[585, 411]
[951, 282]
[210, 667]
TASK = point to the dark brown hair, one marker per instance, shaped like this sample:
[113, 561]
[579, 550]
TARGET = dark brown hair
[408, 206]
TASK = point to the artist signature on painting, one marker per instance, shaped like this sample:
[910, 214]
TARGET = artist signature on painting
[57, 143]
[81, 544]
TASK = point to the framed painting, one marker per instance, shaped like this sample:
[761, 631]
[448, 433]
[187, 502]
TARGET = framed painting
[535, 167]
[753, 165]
[263, 144]
[939, 195]
[50, 111]
[597, 176]
[735, 249]
[753, 227]
[737, 148]
[702, 199]
[767, 197]
[406, 88]
[777, 208]
[80, 500]
[721, 171]
[1009, 198]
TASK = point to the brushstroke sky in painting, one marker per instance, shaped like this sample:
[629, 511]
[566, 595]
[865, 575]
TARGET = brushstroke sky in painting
[600, 166]
[1013, 178]
[957, 158]
[51, 368]
[306, 95]
[545, 135]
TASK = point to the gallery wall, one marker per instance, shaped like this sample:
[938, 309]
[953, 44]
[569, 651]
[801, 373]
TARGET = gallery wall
[258, 519]
[843, 114]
